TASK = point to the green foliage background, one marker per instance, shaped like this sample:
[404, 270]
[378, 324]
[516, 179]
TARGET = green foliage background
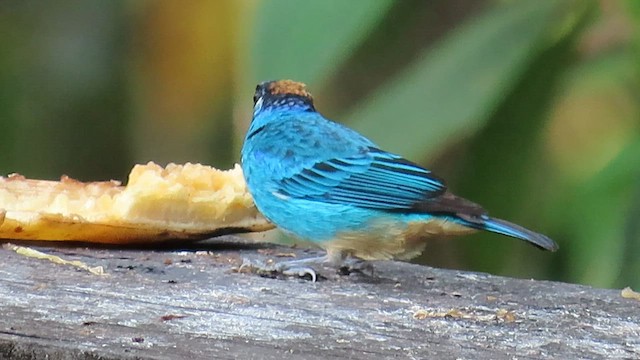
[530, 108]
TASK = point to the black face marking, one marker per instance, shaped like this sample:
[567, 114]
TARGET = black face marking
[287, 101]
[262, 90]
[255, 132]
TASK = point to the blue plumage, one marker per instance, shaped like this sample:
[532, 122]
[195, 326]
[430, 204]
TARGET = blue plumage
[326, 183]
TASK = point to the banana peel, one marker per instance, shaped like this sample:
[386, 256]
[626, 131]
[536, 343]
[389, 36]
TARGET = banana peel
[176, 202]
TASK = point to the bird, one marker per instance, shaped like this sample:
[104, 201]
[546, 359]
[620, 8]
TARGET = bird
[325, 183]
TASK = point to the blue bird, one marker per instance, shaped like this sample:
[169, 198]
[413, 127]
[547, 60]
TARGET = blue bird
[323, 182]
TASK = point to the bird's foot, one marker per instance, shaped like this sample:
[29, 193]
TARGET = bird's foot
[303, 268]
[354, 265]
[292, 268]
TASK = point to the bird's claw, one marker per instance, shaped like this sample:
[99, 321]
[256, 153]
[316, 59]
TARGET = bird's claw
[351, 265]
[283, 268]
[299, 271]
[301, 267]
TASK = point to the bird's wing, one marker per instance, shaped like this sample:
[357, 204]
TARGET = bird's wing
[371, 179]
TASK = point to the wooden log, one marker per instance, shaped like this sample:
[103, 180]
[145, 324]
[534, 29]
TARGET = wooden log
[179, 303]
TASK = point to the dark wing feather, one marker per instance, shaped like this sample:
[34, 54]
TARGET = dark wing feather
[451, 204]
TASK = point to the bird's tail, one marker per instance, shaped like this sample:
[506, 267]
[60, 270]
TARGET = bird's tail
[503, 227]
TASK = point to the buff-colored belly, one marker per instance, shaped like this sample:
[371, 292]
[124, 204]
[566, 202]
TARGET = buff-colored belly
[393, 240]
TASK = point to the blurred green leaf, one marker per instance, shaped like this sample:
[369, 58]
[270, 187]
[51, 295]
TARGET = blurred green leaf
[598, 120]
[459, 82]
[595, 116]
[634, 9]
[599, 213]
[304, 40]
[630, 265]
[68, 92]
[10, 91]
[500, 159]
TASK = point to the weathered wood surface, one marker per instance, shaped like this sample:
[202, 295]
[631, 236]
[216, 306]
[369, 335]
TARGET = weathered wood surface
[182, 304]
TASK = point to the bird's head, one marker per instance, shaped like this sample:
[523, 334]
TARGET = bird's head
[282, 94]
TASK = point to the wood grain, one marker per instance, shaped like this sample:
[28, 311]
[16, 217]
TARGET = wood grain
[187, 303]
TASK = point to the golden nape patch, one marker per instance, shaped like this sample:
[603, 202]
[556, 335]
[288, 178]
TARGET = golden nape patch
[190, 202]
[387, 240]
[289, 87]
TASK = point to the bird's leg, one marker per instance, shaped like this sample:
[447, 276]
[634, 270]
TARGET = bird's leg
[345, 263]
